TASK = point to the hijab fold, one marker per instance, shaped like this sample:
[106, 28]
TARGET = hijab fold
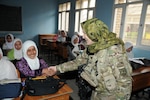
[33, 63]
[76, 47]
[98, 32]
[17, 53]
[7, 69]
[9, 44]
[129, 54]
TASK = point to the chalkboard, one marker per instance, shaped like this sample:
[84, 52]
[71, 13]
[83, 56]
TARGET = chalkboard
[10, 19]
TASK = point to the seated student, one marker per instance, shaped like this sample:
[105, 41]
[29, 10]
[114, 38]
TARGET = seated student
[75, 43]
[129, 47]
[30, 65]
[62, 36]
[8, 45]
[8, 71]
[73, 47]
[16, 53]
[135, 62]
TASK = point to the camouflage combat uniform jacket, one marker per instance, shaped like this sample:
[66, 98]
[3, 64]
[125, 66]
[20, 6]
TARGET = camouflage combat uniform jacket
[108, 71]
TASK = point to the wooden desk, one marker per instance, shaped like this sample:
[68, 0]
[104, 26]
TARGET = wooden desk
[43, 40]
[58, 47]
[141, 79]
[62, 94]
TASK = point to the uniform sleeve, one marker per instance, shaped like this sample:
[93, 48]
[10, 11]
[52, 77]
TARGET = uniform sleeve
[73, 65]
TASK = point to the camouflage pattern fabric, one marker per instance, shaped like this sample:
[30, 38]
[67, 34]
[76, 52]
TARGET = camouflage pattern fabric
[98, 32]
[108, 70]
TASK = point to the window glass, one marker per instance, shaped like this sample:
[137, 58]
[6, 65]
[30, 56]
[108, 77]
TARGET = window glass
[92, 3]
[132, 22]
[68, 6]
[133, 0]
[117, 21]
[90, 14]
[84, 4]
[63, 20]
[64, 7]
[146, 29]
[59, 21]
[60, 7]
[83, 17]
[77, 21]
[119, 1]
[67, 21]
[84, 11]
[78, 4]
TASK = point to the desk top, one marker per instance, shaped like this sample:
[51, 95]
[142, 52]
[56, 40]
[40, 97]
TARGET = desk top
[141, 70]
[62, 91]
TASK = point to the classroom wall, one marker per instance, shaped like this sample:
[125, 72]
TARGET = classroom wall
[38, 17]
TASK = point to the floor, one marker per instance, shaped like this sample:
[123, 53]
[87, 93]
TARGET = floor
[71, 79]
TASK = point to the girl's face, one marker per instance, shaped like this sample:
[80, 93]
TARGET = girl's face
[129, 49]
[76, 40]
[31, 52]
[63, 34]
[87, 39]
[18, 45]
[9, 39]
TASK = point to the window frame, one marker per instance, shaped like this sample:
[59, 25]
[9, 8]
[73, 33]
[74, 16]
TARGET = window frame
[141, 22]
[79, 13]
[60, 17]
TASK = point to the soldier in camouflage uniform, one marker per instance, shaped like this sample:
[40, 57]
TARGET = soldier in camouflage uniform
[107, 67]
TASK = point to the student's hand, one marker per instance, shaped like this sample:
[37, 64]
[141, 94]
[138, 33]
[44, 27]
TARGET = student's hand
[52, 70]
[46, 72]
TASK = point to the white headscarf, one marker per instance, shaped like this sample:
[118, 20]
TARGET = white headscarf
[33, 63]
[63, 39]
[76, 47]
[17, 53]
[7, 69]
[129, 54]
[1, 53]
[9, 45]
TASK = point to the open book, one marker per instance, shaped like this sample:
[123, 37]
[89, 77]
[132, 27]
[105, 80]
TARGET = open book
[6, 81]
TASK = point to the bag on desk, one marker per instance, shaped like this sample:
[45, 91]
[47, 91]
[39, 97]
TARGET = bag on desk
[37, 87]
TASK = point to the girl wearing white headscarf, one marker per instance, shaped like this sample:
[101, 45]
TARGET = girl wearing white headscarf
[16, 52]
[75, 43]
[129, 47]
[62, 36]
[9, 38]
[8, 71]
[30, 65]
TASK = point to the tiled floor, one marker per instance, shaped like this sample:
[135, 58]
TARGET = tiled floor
[72, 82]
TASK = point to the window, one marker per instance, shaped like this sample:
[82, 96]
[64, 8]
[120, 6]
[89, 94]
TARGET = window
[84, 10]
[63, 18]
[131, 21]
